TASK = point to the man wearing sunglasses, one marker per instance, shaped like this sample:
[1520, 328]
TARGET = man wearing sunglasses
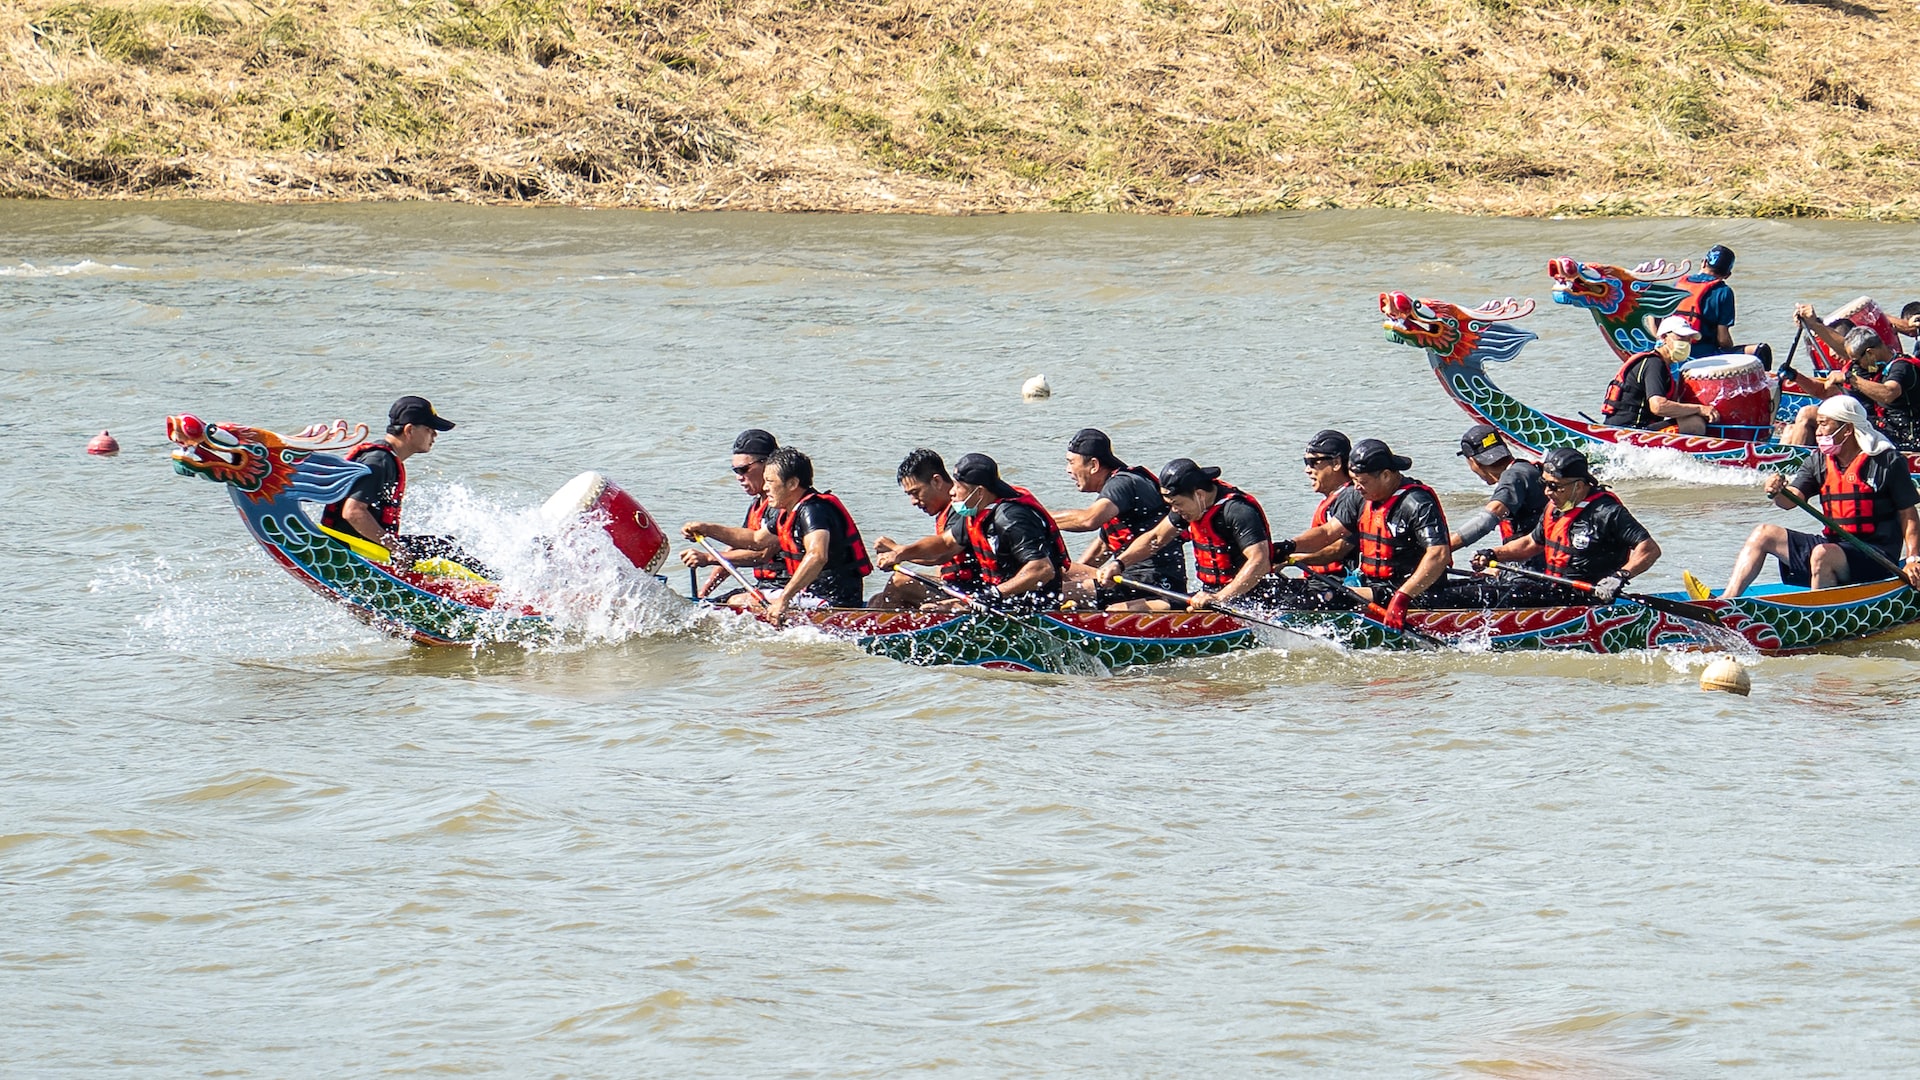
[1874, 376]
[1586, 534]
[1327, 545]
[751, 448]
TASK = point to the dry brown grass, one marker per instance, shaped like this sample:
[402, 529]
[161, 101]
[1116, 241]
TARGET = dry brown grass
[1166, 106]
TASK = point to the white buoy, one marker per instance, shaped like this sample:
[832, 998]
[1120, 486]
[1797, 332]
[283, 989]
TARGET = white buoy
[1728, 676]
[1036, 388]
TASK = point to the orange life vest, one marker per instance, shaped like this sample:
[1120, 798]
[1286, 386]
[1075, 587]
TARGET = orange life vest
[792, 550]
[1117, 534]
[1851, 502]
[766, 571]
[1215, 561]
[1693, 308]
[963, 570]
[1382, 557]
[1558, 528]
[386, 508]
[1320, 518]
[991, 572]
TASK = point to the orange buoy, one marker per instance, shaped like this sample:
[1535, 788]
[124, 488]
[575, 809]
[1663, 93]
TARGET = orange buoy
[103, 443]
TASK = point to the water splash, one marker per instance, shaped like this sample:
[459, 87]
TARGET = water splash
[1622, 462]
[83, 267]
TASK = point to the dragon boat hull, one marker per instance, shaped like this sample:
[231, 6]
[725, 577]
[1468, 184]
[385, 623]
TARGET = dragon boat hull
[1774, 621]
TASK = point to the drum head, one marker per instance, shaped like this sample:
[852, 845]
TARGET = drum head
[575, 497]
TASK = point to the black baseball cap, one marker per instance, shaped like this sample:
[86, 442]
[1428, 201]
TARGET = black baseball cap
[416, 410]
[1330, 443]
[1182, 475]
[1719, 258]
[982, 471]
[755, 442]
[1093, 443]
[1568, 464]
[1482, 443]
[1372, 455]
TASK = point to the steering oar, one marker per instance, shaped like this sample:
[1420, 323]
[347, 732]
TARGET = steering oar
[1289, 635]
[1834, 527]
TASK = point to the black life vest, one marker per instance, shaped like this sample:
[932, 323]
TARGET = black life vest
[963, 570]
[991, 572]
[1337, 566]
[1383, 557]
[1694, 307]
[768, 572]
[385, 508]
[791, 548]
[1558, 527]
[1117, 534]
[1627, 393]
[1215, 561]
[1852, 503]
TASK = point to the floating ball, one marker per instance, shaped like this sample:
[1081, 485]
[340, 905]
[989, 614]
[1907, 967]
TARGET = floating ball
[103, 443]
[1036, 388]
[1727, 675]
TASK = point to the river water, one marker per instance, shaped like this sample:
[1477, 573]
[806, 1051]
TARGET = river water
[243, 835]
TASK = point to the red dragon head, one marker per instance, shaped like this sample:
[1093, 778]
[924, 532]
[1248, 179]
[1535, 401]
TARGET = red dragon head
[1453, 334]
[252, 460]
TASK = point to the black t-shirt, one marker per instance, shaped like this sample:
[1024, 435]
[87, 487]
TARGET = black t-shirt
[1346, 506]
[1238, 524]
[1016, 535]
[1896, 420]
[1889, 474]
[1601, 538]
[376, 489]
[840, 581]
[1140, 509]
[1521, 490]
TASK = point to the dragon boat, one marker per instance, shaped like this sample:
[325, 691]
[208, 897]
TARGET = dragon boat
[271, 477]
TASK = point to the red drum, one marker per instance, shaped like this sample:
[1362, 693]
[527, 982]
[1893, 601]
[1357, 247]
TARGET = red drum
[633, 530]
[1861, 312]
[1734, 385]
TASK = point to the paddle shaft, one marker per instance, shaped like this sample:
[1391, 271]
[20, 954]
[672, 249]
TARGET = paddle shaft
[1834, 527]
[1369, 608]
[721, 557]
[1225, 609]
[1658, 603]
[934, 581]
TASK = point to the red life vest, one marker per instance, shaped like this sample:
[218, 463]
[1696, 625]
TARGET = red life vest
[963, 570]
[792, 550]
[1215, 561]
[1851, 502]
[1116, 534]
[1629, 395]
[991, 571]
[1558, 527]
[1382, 557]
[1694, 307]
[1320, 518]
[766, 571]
[386, 509]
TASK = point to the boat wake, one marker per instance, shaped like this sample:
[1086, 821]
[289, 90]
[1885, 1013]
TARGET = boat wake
[1622, 461]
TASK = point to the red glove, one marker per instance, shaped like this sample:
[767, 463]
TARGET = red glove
[1396, 618]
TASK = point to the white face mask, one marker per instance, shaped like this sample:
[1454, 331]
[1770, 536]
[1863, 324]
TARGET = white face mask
[1679, 349]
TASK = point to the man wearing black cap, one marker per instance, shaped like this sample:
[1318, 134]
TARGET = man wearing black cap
[371, 508]
[1709, 301]
[1233, 547]
[1016, 542]
[826, 560]
[1519, 497]
[1128, 506]
[1327, 544]
[1881, 381]
[1585, 535]
[1402, 533]
[751, 448]
[924, 479]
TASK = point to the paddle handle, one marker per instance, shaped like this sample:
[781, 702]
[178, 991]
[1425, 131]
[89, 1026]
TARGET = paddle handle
[1372, 610]
[934, 581]
[721, 557]
[1833, 526]
[1555, 579]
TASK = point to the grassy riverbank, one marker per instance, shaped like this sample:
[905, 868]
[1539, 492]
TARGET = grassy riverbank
[1734, 107]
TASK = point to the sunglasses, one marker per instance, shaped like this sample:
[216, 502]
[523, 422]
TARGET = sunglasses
[1316, 462]
[742, 470]
[1558, 485]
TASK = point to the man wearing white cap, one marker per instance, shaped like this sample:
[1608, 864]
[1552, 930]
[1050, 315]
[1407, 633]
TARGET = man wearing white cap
[1638, 396]
[1864, 486]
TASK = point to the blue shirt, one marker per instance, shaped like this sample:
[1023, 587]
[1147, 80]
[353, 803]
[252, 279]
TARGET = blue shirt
[1716, 311]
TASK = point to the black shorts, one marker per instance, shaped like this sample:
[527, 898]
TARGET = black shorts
[1797, 567]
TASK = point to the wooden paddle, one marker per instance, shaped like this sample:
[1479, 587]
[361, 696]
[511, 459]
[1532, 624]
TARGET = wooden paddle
[1677, 608]
[727, 564]
[1298, 638]
[1372, 610]
[1834, 527]
[935, 581]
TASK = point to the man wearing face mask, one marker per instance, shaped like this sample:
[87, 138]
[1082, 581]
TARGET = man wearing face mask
[1864, 485]
[1638, 397]
[1585, 535]
[751, 449]
[1015, 541]
[1881, 381]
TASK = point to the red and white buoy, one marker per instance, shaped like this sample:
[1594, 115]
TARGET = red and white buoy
[104, 444]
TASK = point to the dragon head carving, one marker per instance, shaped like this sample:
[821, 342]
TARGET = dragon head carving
[266, 467]
[1626, 303]
[1453, 335]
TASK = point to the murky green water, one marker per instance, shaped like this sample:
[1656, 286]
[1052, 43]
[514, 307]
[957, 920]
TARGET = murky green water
[243, 835]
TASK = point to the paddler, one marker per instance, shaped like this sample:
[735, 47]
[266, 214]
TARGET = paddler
[1864, 485]
[751, 448]
[1233, 547]
[1882, 382]
[1586, 534]
[1021, 554]
[826, 561]
[1639, 395]
[371, 508]
[1328, 544]
[1128, 505]
[924, 479]
[1404, 549]
[1519, 498]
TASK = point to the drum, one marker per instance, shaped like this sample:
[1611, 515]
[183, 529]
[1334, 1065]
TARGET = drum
[1861, 312]
[593, 497]
[1734, 385]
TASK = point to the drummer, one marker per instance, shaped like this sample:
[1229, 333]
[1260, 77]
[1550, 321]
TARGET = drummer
[1639, 396]
[1879, 380]
[750, 451]
[1519, 497]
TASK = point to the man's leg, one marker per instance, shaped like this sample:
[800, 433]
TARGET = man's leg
[1763, 541]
